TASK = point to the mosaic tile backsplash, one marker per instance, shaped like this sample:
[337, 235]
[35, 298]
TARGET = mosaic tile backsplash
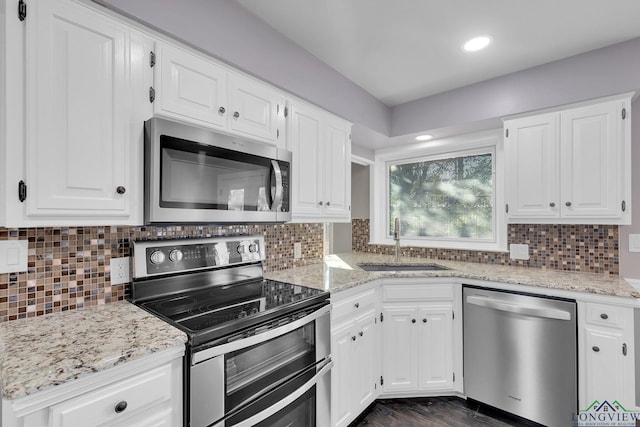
[68, 267]
[584, 248]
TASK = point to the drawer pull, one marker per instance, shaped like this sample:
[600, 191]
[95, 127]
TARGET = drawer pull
[121, 406]
[361, 333]
[604, 316]
[356, 305]
[353, 338]
[624, 349]
[424, 320]
[595, 348]
[413, 320]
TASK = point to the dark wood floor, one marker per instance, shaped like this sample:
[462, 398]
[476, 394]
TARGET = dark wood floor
[433, 412]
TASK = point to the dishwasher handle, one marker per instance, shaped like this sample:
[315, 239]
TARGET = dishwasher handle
[526, 310]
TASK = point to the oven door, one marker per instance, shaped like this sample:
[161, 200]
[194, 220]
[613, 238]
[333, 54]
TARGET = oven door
[195, 175]
[245, 377]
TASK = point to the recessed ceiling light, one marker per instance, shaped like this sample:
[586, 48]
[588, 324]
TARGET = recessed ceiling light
[477, 43]
[423, 137]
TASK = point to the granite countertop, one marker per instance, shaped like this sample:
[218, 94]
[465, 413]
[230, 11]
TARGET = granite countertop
[40, 352]
[339, 272]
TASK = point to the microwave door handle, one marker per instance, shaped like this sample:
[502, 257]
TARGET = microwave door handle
[277, 198]
[261, 416]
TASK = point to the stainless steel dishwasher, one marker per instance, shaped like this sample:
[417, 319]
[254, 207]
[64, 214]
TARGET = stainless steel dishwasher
[520, 354]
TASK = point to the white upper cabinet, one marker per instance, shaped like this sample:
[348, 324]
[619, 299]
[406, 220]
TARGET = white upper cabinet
[195, 89]
[321, 177]
[189, 88]
[76, 164]
[570, 166]
[257, 111]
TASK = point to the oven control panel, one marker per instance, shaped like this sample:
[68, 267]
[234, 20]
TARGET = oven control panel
[151, 258]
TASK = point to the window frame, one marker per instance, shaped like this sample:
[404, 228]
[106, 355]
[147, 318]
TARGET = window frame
[459, 146]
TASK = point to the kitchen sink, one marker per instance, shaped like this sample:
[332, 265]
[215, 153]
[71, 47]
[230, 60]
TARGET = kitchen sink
[396, 267]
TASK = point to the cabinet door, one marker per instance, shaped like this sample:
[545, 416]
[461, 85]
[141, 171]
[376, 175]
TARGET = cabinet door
[592, 163]
[78, 104]
[342, 387]
[365, 361]
[436, 347]
[190, 88]
[400, 350]
[605, 372]
[254, 109]
[305, 137]
[532, 167]
[337, 165]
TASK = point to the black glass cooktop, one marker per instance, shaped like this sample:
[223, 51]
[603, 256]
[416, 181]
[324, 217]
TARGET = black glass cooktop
[217, 311]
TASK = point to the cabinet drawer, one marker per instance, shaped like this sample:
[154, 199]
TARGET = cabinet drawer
[100, 406]
[355, 305]
[608, 315]
[417, 292]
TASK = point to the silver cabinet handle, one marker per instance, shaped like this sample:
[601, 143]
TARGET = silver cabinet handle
[120, 406]
[604, 316]
[361, 333]
[552, 204]
[527, 310]
[624, 349]
[236, 115]
[595, 348]
[222, 110]
[121, 190]
[568, 204]
[356, 305]
[328, 203]
[413, 320]
[320, 203]
[424, 320]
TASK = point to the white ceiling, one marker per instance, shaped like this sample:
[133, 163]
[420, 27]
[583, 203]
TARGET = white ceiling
[402, 50]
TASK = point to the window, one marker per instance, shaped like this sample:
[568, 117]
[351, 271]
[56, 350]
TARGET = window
[445, 194]
[447, 198]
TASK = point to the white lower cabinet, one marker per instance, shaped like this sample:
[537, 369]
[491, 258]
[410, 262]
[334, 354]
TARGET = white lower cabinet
[142, 393]
[354, 348]
[606, 370]
[418, 336]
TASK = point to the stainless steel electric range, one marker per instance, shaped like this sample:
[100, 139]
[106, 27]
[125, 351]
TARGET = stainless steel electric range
[258, 351]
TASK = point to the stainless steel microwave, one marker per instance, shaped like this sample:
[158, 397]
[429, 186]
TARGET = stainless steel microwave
[194, 175]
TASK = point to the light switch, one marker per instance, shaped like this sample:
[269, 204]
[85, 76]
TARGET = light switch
[634, 242]
[13, 256]
[517, 251]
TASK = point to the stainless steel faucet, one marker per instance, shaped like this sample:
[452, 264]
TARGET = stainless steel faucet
[396, 237]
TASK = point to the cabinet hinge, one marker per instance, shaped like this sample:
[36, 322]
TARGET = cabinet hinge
[152, 94]
[507, 133]
[286, 111]
[22, 191]
[22, 10]
[152, 59]
[381, 380]
[381, 317]
[624, 113]
[624, 206]
[507, 208]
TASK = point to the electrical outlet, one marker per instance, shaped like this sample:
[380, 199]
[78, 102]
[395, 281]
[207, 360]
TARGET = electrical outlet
[519, 251]
[119, 270]
[297, 250]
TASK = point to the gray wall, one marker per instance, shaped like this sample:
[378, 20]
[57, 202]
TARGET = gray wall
[607, 71]
[630, 262]
[225, 30]
[359, 191]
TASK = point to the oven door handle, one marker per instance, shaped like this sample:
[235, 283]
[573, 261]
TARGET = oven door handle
[261, 416]
[277, 197]
[203, 355]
